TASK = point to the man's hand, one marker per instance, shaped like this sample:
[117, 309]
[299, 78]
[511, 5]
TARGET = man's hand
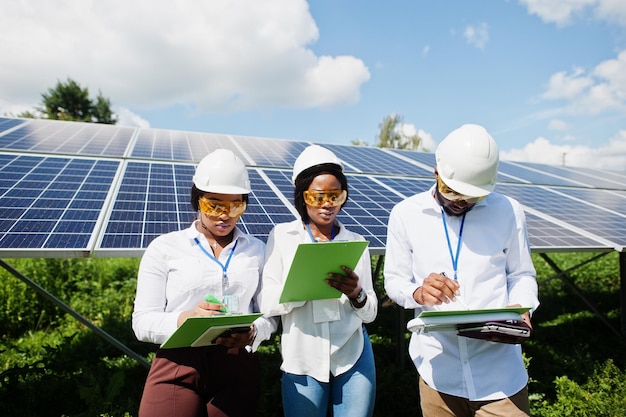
[436, 289]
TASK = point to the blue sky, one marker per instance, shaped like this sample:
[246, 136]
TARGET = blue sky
[547, 78]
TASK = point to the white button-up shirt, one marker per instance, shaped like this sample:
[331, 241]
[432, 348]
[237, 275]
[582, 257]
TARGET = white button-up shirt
[320, 337]
[175, 274]
[494, 270]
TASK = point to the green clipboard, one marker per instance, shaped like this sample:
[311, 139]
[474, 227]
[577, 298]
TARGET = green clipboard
[489, 311]
[202, 331]
[447, 320]
[311, 265]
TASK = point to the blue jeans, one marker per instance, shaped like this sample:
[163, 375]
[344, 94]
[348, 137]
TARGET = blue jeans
[350, 394]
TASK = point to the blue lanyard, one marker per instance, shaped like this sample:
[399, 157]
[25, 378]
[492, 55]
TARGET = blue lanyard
[455, 258]
[224, 267]
[332, 233]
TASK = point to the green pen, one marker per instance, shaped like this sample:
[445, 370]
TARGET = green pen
[213, 299]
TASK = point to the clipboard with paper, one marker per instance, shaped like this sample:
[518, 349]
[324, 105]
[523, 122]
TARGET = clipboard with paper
[450, 320]
[202, 331]
[311, 265]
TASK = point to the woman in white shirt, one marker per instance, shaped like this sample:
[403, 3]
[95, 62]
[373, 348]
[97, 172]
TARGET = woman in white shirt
[327, 355]
[177, 272]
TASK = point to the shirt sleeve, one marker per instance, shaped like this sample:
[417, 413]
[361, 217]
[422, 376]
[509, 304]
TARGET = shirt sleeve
[521, 275]
[272, 282]
[264, 328]
[399, 281]
[368, 312]
[150, 322]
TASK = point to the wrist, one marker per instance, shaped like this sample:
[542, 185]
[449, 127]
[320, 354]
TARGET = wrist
[418, 296]
[360, 298]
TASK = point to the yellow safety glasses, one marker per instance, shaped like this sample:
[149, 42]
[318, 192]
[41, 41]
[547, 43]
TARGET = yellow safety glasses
[449, 194]
[218, 207]
[320, 198]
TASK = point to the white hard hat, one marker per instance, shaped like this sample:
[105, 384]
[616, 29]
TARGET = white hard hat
[222, 172]
[311, 156]
[467, 161]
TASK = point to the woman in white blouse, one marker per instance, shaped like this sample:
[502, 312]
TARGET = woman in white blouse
[327, 355]
[178, 272]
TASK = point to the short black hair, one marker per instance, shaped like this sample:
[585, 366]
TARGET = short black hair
[306, 177]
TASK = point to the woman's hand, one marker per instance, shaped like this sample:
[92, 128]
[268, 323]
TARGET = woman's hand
[202, 309]
[237, 338]
[347, 284]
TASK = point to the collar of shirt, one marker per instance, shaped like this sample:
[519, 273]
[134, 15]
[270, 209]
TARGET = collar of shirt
[296, 227]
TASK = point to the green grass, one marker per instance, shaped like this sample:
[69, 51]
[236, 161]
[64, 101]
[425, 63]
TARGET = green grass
[51, 365]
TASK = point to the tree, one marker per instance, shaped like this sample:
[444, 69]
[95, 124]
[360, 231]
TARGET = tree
[390, 135]
[69, 101]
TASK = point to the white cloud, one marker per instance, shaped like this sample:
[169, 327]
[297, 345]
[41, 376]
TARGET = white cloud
[609, 156]
[216, 55]
[477, 36]
[125, 117]
[604, 89]
[427, 143]
[564, 12]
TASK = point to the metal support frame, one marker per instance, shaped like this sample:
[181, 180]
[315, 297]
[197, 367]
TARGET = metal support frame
[56, 301]
[564, 276]
[622, 296]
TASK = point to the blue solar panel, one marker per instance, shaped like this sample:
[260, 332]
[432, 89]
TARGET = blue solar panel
[577, 213]
[57, 192]
[269, 152]
[172, 145]
[52, 202]
[407, 186]
[6, 124]
[531, 175]
[364, 159]
[544, 235]
[71, 138]
[582, 177]
[612, 200]
[427, 159]
[154, 198]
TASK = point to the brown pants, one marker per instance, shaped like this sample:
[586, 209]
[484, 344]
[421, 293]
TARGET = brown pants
[189, 382]
[437, 404]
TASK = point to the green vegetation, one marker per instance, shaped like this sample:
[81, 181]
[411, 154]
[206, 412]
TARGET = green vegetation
[69, 101]
[51, 365]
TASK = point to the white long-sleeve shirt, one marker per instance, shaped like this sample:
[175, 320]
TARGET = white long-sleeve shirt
[494, 270]
[320, 337]
[174, 274]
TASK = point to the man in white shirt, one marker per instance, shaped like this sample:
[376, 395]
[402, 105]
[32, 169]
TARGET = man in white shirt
[460, 245]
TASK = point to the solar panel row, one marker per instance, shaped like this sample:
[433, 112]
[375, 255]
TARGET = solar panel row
[73, 189]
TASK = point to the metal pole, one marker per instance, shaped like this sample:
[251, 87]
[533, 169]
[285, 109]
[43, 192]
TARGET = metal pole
[622, 291]
[49, 296]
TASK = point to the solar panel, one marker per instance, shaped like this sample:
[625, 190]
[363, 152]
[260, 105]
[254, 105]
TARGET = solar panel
[582, 215]
[171, 145]
[51, 202]
[6, 124]
[375, 160]
[521, 173]
[546, 236]
[426, 159]
[74, 189]
[153, 198]
[269, 152]
[70, 138]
